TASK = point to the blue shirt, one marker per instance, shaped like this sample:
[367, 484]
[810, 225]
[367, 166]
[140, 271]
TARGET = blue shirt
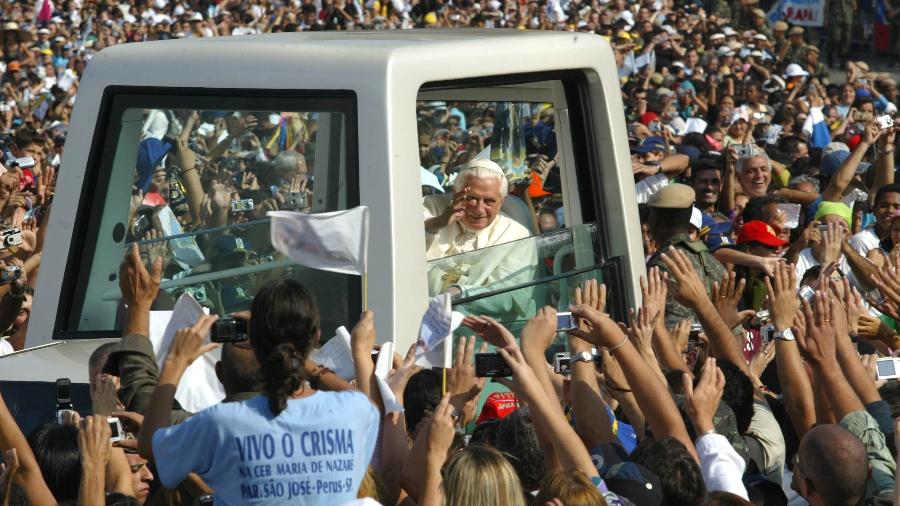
[314, 453]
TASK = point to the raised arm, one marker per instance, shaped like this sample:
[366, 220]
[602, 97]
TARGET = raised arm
[186, 347]
[29, 474]
[841, 179]
[652, 396]
[689, 290]
[784, 304]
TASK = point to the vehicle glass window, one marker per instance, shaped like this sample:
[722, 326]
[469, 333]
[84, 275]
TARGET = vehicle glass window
[504, 259]
[192, 185]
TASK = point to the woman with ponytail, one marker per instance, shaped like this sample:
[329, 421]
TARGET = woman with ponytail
[292, 444]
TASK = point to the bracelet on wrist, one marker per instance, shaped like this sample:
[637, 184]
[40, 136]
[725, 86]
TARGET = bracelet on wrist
[616, 347]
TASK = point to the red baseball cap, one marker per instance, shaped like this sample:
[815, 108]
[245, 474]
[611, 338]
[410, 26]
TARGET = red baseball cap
[649, 117]
[761, 232]
[497, 406]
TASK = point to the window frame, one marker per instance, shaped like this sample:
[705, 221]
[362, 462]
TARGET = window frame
[587, 167]
[95, 186]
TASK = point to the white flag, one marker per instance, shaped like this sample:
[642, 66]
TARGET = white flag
[336, 242]
[434, 346]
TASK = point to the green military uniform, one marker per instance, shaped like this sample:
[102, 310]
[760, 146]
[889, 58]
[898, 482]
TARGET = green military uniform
[721, 9]
[840, 26]
[674, 198]
[704, 263]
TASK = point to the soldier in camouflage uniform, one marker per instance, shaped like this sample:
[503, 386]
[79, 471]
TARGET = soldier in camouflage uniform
[840, 29]
[670, 215]
[721, 9]
[796, 50]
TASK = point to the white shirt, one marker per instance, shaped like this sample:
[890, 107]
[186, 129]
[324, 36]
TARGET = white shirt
[5, 347]
[720, 465]
[478, 261]
[806, 261]
[865, 241]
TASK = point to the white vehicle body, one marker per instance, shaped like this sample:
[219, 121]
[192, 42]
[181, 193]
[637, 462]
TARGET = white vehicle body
[383, 74]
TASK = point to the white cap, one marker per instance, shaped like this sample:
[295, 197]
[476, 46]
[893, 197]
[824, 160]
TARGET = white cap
[794, 70]
[484, 163]
[760, 36]
[717, 36]
[729, 31]
[196, 17]
[834, 146]
[724, 51]
[696, 218]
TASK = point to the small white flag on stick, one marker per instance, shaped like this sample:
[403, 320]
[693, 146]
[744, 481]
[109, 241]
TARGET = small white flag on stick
[336, 242]
[433, 348]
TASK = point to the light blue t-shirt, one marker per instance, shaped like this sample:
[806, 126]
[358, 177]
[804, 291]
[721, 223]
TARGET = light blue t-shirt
[314, 453]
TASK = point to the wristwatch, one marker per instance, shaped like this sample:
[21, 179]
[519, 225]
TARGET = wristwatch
[785, 335]
[584, 356]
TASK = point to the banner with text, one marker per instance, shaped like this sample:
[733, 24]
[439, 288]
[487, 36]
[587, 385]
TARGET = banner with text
[799, 12]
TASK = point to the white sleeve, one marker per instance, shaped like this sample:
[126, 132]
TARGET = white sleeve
[721, 466]
[646, 187]
[5, 347]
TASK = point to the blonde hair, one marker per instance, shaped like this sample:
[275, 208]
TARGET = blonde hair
[573, 488]
[481, 475]
[373, 486]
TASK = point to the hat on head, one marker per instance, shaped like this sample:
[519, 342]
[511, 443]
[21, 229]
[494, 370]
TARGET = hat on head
[13, 66]
[757, 53]
[717, 36]
[673, 196]
[724, 51]
[656, 79]
[814, 49]
[761, 232]
[780, 26]
[759, 12]
[649, 117]
[834, 159]
[838, 209]
[484, 164]
[797, 30]
[625, 477]
[150, 153]
[196, 17]
[760, 36]
[794, 70]
[774, 84]
[834, 146]
[861, 65]
[228, 245]
[44, 31]
[735, 45]
[729, 31]
[649, 145]
[497, 406]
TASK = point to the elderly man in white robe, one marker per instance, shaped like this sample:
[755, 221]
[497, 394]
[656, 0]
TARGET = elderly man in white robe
[473, 248]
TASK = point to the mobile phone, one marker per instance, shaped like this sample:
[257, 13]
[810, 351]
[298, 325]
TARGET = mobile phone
[25, 162]
[694, 336]
[806, 293]
[887, 368]
[885, 121]
[375, 356]
[562, 363]
[823, 227]
[229, 330]
[565, 321]
[241, 206]
[205, 500]
[63, 399]
[766, 332]
[491, 365]
[117, 433]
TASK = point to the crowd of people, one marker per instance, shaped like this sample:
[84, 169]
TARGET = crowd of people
[749, 373]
